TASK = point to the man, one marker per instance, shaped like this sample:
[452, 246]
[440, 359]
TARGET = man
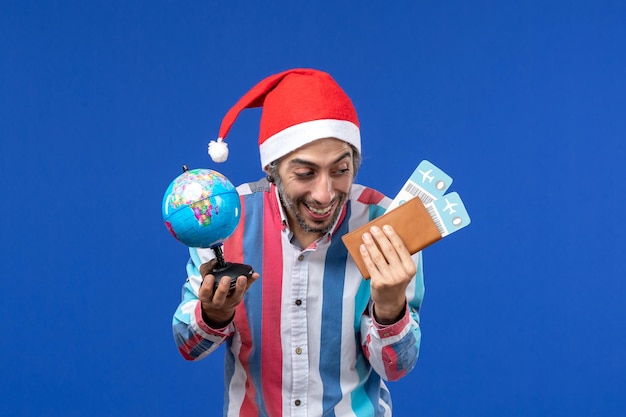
[306, 335]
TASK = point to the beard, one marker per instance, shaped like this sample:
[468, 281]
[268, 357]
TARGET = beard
[292, 207]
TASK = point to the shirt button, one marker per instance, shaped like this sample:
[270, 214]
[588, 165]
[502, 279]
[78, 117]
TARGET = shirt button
[298, 351]
[298, 302]
[301, 257]
[297, 403]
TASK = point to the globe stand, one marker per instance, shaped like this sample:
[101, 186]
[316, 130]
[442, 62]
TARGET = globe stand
[232, 270]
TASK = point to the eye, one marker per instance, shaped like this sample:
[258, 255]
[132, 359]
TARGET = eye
[304, 174]
[341, 171]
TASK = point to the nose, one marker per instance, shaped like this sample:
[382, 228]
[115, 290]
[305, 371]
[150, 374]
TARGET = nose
[322, 190]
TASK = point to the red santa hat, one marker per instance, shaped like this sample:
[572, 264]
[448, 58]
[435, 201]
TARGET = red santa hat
[299, 106]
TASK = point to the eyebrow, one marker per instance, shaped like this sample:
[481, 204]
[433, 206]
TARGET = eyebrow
[300, 161]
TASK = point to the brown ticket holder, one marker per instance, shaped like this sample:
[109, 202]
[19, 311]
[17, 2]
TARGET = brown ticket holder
[411, 222]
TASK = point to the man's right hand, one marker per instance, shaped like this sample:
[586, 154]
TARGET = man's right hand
[218, 306]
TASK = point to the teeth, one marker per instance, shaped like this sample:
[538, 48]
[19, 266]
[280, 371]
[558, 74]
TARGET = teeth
[320, 211]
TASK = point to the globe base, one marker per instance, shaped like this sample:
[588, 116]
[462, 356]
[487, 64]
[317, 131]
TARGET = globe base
[232, 270]
[229, 269]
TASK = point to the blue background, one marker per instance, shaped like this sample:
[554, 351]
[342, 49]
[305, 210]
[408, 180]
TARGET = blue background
[522, 103]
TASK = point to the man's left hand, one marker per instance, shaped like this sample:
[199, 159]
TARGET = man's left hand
[391, 268]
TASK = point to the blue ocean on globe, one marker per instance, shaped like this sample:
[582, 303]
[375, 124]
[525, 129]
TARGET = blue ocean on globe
[201, 208]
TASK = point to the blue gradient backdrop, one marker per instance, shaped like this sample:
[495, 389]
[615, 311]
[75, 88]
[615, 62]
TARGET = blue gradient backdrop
[522, 103]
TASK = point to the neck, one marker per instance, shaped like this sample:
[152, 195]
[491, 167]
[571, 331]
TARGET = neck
[305, 239]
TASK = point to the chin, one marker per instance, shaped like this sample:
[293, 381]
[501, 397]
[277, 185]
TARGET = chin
[314, 226]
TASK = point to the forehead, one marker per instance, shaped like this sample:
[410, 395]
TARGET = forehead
[320, 152]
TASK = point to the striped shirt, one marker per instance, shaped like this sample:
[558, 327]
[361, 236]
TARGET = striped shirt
[303, 342]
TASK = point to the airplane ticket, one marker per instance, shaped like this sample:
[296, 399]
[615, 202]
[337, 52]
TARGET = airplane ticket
[429, 183]
[448, 214]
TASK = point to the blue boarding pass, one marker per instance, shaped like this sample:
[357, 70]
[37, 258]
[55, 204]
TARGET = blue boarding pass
[448, 213]
[429, 184]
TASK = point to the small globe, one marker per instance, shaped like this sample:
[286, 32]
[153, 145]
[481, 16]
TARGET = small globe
[201, 208]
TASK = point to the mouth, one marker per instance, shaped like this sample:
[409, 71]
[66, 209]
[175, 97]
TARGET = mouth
[319, 213]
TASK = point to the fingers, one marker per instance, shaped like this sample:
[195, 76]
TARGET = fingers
[391, 268]
[404, 256]
[205, 292]
[249, 282]
[378, 250]
[384, 253]
[241, 286]
[218, 299]
[221, 294]
[372, 258]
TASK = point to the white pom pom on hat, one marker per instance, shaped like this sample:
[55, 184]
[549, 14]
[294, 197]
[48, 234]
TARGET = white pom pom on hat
[218, 150]
[299, 106]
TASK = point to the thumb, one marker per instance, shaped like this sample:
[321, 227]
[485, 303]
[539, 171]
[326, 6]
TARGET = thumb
[207, 267]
